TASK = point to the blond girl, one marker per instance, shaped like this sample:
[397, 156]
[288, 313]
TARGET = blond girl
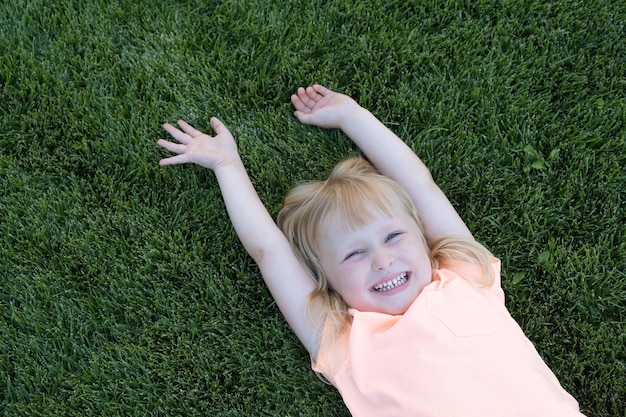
[380, 279]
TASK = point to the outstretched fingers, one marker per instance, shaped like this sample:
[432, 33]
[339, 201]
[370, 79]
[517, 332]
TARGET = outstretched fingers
[176, 148]
[188, 129]
[193, 146]
[174, 160]
[181, 137]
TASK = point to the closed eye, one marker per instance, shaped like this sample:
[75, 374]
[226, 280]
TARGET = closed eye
[353, 254]
[393, 236]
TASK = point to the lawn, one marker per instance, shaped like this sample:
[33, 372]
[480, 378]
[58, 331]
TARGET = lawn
[125, 292]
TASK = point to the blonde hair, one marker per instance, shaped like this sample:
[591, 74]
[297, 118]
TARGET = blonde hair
[353, 193]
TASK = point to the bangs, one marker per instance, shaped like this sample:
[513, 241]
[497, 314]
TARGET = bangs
[352, 203]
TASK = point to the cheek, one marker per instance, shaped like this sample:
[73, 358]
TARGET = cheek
[421, 247]
[333, 276]
[344, 279]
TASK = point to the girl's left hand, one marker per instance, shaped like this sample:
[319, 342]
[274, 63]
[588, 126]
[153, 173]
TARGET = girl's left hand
[199, 148]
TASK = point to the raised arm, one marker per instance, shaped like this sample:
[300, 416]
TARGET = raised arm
[319, 106]
[284, 276]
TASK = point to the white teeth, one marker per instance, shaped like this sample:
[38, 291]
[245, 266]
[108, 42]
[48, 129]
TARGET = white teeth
[392, 283]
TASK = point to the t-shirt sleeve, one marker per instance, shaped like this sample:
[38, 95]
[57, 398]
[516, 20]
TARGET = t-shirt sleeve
[495, 290]
[332, 353]
[474, 274]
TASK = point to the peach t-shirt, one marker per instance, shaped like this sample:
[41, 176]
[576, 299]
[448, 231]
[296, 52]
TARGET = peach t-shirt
[456, 352]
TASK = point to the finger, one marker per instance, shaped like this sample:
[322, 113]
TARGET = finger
[301, 92]
[176, 134]
[321, 89]
[297, 103]
[218, 126]
[172, 147]
[174, 160]
[313, 95]
[188, 129]
[303, 117]
[307, 102]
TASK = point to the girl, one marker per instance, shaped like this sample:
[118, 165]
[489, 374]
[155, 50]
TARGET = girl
[382, 282]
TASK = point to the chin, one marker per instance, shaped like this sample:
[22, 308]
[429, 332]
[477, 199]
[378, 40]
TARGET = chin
[397, 311]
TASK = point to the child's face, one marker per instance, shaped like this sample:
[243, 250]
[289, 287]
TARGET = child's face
[381, 266]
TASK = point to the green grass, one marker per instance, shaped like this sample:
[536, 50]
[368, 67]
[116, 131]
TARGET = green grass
[123, 289]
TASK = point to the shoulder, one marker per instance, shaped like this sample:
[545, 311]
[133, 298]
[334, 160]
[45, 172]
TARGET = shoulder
[473, 276]
[471, 272]
[333, 350]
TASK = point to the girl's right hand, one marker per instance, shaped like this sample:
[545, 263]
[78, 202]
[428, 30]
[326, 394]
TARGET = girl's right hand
[199, 148]
[318, 106]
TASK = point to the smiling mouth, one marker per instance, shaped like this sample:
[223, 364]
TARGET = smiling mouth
[392, 283]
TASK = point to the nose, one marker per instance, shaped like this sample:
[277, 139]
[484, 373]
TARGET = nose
[383, 259]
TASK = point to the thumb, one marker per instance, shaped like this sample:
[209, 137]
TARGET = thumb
[218, 126]
[304, 118]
